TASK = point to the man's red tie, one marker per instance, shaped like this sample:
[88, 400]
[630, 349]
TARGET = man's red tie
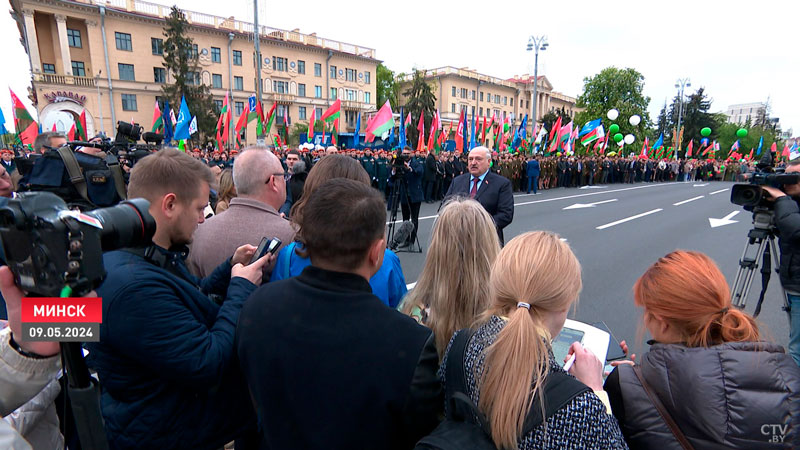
[474, 190]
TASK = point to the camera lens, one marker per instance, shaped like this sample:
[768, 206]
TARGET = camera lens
[127, 224]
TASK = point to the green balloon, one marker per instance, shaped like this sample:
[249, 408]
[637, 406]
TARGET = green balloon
[705, 132]
[618, 137]
[614, 128]
[742, 132]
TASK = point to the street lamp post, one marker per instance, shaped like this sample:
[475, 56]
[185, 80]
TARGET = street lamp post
[536, 43]
[681, 84]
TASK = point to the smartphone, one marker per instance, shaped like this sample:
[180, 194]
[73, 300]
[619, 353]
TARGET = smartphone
[266, 245]
[274, 245]
[614, 350]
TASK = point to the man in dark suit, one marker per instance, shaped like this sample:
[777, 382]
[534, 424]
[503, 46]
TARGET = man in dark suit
[429, 177]
[533, 174]
[491, 190]
[330, 366]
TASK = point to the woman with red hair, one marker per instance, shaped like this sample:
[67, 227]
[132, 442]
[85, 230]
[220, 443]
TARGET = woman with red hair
[708, 381]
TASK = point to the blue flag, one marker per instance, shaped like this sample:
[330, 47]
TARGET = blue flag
[589, 127]
[184, 118]
[358, 130]
[165, 117]
[472, 143]
[2, 123]
[659, 142]
[519, 134]
[760, 143]
[390, 140]
[402, 131]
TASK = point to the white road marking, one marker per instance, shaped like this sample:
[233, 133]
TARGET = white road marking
[410, 286]
[717, 192]
[700, 185]
[588, 205]
[687, 201]
[724, 221]
[628, 219]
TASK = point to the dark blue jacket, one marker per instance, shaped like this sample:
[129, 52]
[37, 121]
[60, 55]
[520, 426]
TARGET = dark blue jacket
[166, 360]
[414, 181]
[495, 195]
[533, 168]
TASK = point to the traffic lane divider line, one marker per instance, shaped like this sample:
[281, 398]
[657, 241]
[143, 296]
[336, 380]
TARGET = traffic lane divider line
[628, 219]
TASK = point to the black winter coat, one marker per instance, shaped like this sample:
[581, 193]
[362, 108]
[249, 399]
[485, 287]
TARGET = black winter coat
[742, 395]
[787, 221]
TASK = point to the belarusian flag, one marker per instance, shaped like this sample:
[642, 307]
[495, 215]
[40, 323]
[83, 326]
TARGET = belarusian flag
[158, 122]
[483, 132]
[554, 135]
[460, 132]
[71, 133]
[311, 121]
[242, 123]
[332, 113]
[432, 134]
[408, 120]
[270, 119]
[82, 126]
[421, 131]
[382, 122]
[27, 129]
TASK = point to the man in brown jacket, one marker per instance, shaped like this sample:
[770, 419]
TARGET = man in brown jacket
[261, 187]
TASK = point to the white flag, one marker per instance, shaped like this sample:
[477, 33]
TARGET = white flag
[193, 126]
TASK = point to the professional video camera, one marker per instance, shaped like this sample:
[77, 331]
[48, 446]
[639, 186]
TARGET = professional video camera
[399, 161]
[750, 195]
[48, 246]
[125, 143]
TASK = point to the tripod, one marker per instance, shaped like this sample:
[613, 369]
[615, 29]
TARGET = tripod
[399, 187]
[760, 247]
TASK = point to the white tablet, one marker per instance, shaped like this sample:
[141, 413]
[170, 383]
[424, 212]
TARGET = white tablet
[594, 339]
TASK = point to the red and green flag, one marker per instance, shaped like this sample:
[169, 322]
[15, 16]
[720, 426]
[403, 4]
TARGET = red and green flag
[311, 121]
[82, 126]
[333, 112]
[270, 119]
[382, 122]
[27, 128]
[158, 122]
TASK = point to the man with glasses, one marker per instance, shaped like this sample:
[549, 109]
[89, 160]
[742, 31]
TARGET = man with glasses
[51, 140]
[261, 190]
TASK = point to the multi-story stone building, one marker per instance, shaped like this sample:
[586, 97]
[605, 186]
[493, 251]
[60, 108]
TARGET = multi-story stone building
[741, 113]
[459, 90]
[106, 58]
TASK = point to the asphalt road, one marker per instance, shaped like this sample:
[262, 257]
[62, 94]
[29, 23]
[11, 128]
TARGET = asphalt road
[614, 252]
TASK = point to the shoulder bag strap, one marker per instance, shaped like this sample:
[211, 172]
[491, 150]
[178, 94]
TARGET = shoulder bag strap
[460, 404]
[662, 411]
[74, 171]
[559, 389]
[116, 173]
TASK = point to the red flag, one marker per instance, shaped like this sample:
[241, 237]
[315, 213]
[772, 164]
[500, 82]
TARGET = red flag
[460, 132]
[434, 127]
[774, 147]
[242, 123]
[483, 134]
[750, 156]
[82, 129]
[689, 148]
[54, 127]
[421, 131]
[785, 150]
[71, 133]
[645, 145]
[408, 120]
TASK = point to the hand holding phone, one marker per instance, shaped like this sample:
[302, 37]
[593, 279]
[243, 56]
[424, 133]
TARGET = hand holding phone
[266, 245]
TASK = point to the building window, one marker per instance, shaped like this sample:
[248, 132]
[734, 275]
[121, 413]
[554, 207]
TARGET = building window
[301, 112]
[237, 58]
[453, 107]
[129, 102]
[280, 87]
[193, 78]
[505, 100]
[280, 64]
[367, 97]
[74, 38]
[350, 74]
[301, 89]
[473, 111]
[157, 46]
[318, 113]
[480, 95]
[301, 67]
[239, 107]
[216, 81]
[472, 95]
[480, 111]
[527, 104]
[159, 75]
[453, 92]
[78, 69]
[332, 72]
[123, 41]
[367, 78]
[317, 91]
[238, 83]
[193, 53]
[350, 95]
[464, 93]
[216, 55]
[49, 68]
[333, 94]
[218, 104]
[317, 69]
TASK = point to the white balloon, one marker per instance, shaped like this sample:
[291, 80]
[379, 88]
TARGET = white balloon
[629, 139]
[612, 114]
[634, 120]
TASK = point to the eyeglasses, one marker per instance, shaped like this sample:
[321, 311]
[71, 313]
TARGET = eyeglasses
[282, 174]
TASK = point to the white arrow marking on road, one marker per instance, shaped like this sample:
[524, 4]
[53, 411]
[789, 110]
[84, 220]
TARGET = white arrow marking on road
[687, 201]
[592, 187]
[627, 219]
[410, 286]
[588, 205]
[724, 221]
[717, 192]
[700, 185]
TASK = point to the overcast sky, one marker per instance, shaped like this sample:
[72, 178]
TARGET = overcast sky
[741, 52]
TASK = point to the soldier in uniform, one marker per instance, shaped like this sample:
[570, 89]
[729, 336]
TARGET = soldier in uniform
[369, 163]
[382, 173]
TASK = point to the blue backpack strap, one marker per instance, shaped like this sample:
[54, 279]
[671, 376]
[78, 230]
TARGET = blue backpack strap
[287, 260]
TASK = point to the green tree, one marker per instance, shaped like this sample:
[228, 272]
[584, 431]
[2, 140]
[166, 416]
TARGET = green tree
[696, 117]
[420, 99]
[300, 129]
[552, 116]
[613, 88]
[386, 87]
[180, 60]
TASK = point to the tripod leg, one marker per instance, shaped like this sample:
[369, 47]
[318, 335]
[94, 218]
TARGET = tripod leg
[787, 306]
[747, 268]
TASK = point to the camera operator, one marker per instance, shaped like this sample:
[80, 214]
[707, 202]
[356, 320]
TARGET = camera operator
[49, 140]
[411, 194]
[165, 359]
[787, 221]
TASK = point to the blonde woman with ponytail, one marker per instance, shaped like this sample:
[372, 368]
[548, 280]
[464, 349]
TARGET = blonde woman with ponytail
[534, 282]
[706, 368]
